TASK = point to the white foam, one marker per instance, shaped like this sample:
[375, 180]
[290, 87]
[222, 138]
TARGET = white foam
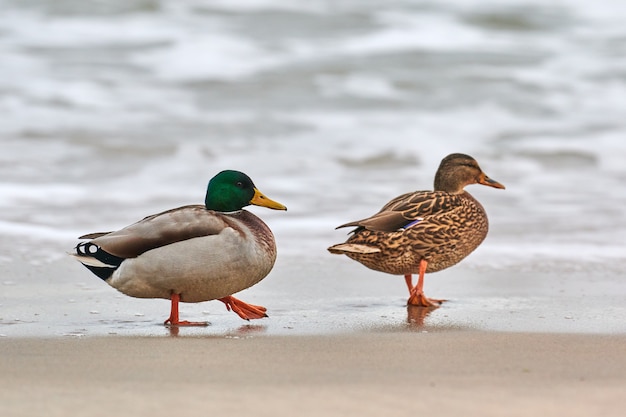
[208, 56]
[410, 31]
[38, 30]
[36, 232]
[357, 85]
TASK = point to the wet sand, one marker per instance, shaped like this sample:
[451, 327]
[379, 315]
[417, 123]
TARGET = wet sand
[451, 373]
[318, 295]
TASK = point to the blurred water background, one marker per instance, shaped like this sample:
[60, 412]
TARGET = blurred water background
[113, 110]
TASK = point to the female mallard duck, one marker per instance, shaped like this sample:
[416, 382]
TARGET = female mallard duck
[423, 231]
[192, 253]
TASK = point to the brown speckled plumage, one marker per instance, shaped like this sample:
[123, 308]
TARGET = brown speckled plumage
[453, 226]
[435, 229]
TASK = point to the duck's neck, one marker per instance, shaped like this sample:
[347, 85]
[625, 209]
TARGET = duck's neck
[448, 186]
[448, 183]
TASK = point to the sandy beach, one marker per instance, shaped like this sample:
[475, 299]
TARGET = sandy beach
[470, 373]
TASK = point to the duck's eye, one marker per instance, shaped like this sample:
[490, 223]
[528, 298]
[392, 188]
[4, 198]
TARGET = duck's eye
[239, 184]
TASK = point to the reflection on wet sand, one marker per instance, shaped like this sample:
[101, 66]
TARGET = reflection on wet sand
[250, 330]
[416, 315]
[242, 331]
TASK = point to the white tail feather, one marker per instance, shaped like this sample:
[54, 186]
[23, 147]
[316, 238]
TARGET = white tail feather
[352, 248]
[88, 260]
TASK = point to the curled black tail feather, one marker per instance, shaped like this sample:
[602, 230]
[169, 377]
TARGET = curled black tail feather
[92, 250]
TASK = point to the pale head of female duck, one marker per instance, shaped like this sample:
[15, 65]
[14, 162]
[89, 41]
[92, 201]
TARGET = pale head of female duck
[230, 191]
[458, 170]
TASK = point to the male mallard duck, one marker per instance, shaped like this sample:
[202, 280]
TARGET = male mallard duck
[423, 231]
[192, 253]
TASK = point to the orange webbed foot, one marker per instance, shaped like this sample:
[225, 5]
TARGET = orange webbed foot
[419, 299]
[416, 294]
[244, 310]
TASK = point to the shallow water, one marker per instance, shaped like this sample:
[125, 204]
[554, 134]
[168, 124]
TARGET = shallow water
[115, 110]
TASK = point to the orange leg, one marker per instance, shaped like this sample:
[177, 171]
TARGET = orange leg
[173, 319]
[244, 310]
[416, 294]
[409, 282]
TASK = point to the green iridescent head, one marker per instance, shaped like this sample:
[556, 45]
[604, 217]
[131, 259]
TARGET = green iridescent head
[233, 190]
